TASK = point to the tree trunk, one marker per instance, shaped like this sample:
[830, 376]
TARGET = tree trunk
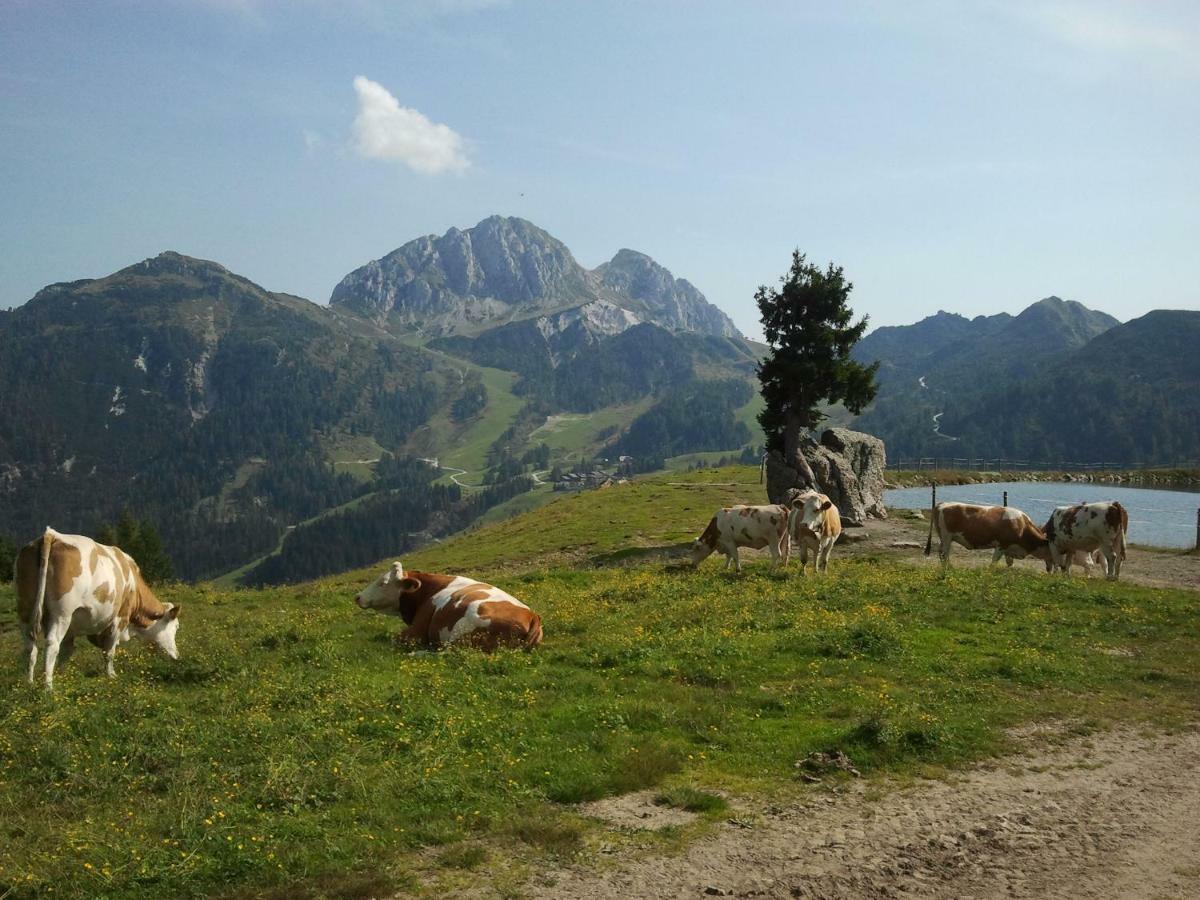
[792, 455]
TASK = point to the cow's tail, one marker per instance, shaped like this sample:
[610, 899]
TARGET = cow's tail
[43, 573]
[929, 541]
[533, 636]
[1121, 531]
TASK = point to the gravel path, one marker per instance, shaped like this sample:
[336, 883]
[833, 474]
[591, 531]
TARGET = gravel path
[1113, 815]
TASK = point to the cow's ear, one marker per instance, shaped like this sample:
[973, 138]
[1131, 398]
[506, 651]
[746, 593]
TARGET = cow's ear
[173, 612]
[408, 585]
[827, 504]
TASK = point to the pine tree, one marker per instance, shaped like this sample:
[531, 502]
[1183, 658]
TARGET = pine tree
[809, 328]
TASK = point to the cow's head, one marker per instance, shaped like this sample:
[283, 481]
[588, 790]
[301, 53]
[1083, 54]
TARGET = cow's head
[808, 512]
[159, 631]
[703, 546]
[385, 592]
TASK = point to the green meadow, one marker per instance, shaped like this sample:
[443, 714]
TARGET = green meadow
[297, 751]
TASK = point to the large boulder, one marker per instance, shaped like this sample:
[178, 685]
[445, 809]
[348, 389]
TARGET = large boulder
[848, 466]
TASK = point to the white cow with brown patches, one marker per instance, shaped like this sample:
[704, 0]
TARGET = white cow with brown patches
[816, 526]
[69, 585]
[445, 609]
[744, 526]
[1088, 527]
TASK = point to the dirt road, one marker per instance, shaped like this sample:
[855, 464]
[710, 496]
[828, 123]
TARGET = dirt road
[1114, 815]
[903, 537]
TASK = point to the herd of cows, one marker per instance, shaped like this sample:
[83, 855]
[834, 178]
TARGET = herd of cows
[68, 585]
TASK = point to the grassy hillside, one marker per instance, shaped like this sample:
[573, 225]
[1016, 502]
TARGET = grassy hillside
[296, 751]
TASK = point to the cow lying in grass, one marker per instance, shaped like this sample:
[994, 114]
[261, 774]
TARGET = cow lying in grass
[816, 526]
[744, 526]
[444, 609]
[68, 585]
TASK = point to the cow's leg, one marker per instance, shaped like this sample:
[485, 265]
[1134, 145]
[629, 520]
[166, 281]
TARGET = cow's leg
[785, 549]
[54, 638]
[65, 649]
[1116, 564]
[823, 557]
[944, 552]
[737, 561]
[996, 554]
[1112, 562]
[110, 639]
[29, 645]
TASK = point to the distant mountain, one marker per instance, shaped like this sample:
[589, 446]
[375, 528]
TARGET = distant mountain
[195, 398]
[946, 346]
[228, 414]
[507, 270]
[1057, 383]
[669, 301]
[1130, 395]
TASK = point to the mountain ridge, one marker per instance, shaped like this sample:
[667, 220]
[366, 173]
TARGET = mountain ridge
[506, 269]
[1057, 382]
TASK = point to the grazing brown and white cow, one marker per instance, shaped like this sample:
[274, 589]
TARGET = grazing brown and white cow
[1003, 529]
[815, 525]
[69, 585]
[744, 526]
[443, 609]
[1088, 526]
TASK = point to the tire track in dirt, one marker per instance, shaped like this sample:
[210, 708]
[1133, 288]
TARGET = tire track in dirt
[1113, 815]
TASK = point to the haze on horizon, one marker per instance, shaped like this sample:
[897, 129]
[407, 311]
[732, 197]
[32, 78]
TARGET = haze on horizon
[973, 157]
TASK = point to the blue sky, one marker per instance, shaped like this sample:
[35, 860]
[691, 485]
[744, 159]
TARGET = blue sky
[973, 156]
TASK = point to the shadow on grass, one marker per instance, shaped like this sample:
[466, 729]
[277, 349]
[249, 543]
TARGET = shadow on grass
[674, 556]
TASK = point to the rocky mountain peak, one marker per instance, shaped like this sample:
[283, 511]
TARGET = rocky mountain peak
[507, 269]
[669, 301]
[500, 270]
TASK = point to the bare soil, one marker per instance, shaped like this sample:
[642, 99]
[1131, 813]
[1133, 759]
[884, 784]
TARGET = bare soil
[1115, 814]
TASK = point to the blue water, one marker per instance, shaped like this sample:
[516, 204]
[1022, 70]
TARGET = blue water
[1160, 518]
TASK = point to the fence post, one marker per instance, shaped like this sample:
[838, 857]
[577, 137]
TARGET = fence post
[933, 502]
[1198, 529]
[1006, 498]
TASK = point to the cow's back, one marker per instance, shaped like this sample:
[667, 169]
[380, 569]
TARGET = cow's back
[483, 615]
[1087, 526]
[80, 572]
[752, 526]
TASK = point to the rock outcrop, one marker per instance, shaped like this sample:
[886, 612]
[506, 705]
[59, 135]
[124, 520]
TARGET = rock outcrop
[849, 468]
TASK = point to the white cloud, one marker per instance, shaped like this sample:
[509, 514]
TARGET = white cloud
[383, 129]
[1122, 27]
